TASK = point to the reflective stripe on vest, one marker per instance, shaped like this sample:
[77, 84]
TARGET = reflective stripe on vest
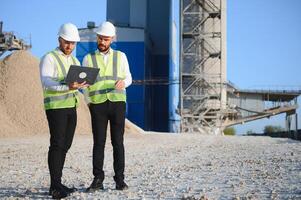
[104, 89]
[114, 77]
[59, 98]
[61, 65]
[55, 100]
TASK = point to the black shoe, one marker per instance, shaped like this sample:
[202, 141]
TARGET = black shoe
[95, 185]
[64, 188]
[121, 186]
[69, 190]
[57, 193]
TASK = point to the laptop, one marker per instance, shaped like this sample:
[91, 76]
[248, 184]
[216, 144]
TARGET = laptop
[80, 74]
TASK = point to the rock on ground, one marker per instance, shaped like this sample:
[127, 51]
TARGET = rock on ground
[161, 166]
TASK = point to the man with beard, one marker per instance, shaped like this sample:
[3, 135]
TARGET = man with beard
[60, 102]
[107, 102]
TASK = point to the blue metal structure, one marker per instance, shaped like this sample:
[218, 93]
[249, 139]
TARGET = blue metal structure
[148, 33]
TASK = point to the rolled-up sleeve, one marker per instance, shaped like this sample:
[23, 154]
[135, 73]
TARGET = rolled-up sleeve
[126, 68]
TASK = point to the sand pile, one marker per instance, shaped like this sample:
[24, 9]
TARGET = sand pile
[21, 95]
[21, 99]
[130, 127]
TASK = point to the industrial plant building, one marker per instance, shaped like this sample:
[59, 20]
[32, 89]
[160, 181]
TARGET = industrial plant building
[177, 53]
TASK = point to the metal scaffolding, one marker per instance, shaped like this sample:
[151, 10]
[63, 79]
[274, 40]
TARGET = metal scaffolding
[202, 79]
[209, 103]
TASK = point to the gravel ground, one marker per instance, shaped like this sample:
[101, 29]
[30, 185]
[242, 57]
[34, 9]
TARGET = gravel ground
[161, 166]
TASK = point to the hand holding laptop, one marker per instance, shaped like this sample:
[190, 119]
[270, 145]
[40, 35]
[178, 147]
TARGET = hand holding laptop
[76, 85]
[119, 85]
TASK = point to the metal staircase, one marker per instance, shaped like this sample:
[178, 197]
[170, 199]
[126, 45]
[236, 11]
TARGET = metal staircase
[201, 71]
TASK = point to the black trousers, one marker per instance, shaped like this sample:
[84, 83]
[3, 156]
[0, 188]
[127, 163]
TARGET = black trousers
[62, 123]
[100, 115]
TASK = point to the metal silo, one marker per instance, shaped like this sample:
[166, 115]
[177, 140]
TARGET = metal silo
[176, 52]
[159, 80]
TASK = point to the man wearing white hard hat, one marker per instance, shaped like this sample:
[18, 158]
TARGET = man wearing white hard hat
[107, 103]
[60, 102]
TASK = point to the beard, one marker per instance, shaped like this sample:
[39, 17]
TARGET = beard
[103, 48]
[66, 51]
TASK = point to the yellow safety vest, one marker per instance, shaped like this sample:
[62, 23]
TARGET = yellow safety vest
[104, 87]
[58, 99]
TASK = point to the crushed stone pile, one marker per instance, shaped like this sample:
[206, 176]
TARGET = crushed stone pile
[21, 95]
[21, 99]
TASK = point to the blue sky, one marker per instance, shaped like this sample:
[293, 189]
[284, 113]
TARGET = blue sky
[264, 49]
[263, 38]
[42, 18]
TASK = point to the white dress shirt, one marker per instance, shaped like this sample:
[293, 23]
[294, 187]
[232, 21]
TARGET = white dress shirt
[124, 65]
[49, 73]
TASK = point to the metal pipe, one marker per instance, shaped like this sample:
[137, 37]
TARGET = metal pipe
[1, 24]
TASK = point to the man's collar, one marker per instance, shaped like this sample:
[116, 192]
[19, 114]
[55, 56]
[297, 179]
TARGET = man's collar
[59, 50]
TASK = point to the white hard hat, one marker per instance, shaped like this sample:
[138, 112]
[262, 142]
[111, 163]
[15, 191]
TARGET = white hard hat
[69, 32]
[106, 29]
